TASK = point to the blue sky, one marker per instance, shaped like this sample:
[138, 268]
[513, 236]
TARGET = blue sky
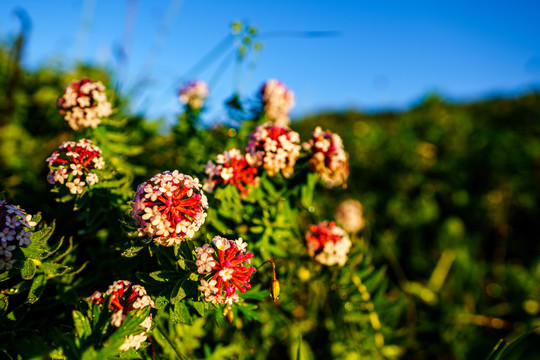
[378, 55]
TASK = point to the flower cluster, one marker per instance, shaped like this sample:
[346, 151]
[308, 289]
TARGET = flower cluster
[193, 94]
[124, 298]
[274, 146]
[223, 270]
[84, 103]
[277, 100]
[349, 216]
[169, 207]
[328, 243]
[15, 230]
[73, 165]
[328, 157]
[231, 167]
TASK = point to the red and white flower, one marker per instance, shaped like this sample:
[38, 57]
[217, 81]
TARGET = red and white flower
[328, 157]
[277, 100]
[123, 298]
[223, 270]
[231, 167]
[193, 94]
[169, 207]
[275, 147]
[84, 104]
[15, 231]
[328, 244]
[349, 216]
[73, 165]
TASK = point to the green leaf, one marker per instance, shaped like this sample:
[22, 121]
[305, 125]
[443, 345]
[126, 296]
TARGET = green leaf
[199, 306]
[53, 270]
[178, 292]
[8, 274]
[180, 314]
[82, 325]
[29, 269]
[38, 285]
[4, 302]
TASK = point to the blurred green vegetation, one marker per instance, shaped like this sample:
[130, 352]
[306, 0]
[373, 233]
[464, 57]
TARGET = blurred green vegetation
[450, 194]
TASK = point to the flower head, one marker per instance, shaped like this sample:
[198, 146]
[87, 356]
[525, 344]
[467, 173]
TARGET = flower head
[277, 101]
[169, 207]
[84, 103]
[73, 165]
[274, 146]
[328, 157]
[231, 167]
[193, 93]
[328, 244]
[223, 270]
[349, 216]
[123, 298]
[15, 231]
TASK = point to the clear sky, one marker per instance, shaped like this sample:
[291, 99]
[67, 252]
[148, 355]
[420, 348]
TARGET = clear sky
[375, 55]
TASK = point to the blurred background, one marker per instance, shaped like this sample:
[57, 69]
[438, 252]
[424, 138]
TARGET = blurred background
[334, 54]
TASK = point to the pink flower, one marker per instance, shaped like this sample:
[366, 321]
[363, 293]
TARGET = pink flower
[349, 216]
[193, 94]
[73, 165]
[223, 270]
[277, 100]
[276, 147]
[328, 157]
[169, 207]
[123, 297]
[231, 167]
[328, 244]
[15, 231]
[84, 103]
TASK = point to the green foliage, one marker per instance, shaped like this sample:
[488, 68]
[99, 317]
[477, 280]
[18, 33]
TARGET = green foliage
[444, 267]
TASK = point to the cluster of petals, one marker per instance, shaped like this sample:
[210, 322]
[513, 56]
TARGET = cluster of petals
[275, 147]
[169, 207]
[277, 101]
[73, 165]
[193, 94]
[84, 104]
[123, 298]
[223, 271]
[328, 244]
[328, 157]
[15, 231]
[349, 215]
[231, 167]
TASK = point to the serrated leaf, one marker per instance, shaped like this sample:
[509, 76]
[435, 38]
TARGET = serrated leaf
[29, 269]
[38, 285]
[161, 302]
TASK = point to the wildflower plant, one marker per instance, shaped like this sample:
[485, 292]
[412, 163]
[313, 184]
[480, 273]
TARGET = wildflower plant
[169, 207]
[231, 167]
[16, 230]
[274, 147]
[75, 165]
[193, 93]
[328, 244]
[328, 157]
[223, 270]
[277, 100]
[84, 103]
